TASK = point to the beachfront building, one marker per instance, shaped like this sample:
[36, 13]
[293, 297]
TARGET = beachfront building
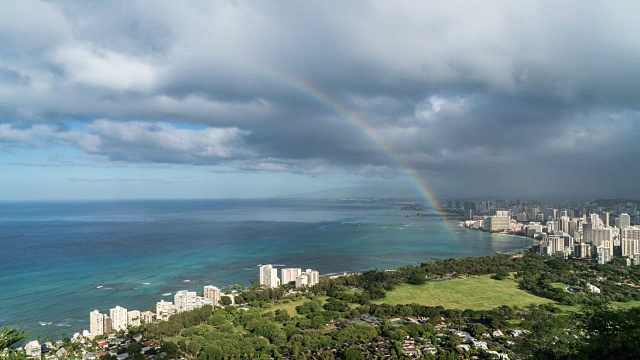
[501, 221]
[202, 301]
[148, 317]
[269, 276]
[133, 318]
[184, 300]
[164, 309]
[212, 293]
[107, 324]
[119, 317]
[96, 323]
[307, 278]
[33, 349]
[290, 274]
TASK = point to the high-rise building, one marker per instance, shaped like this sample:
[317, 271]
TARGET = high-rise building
[631, 232]
[603, 236]
[269, 276]
[587, 233]
[604, 256]
[184, 300]
[629, 247]
[630, 240]
[307, 278]
[107, 324]
[133, 318]
[582, 251]
[563, 224]
[290, 274]
[96, 323]
[212, 293]
[118, 318]
[625, 221]
[497, 223]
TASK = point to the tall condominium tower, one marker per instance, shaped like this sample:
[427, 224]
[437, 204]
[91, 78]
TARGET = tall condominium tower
[269, 276]
[96, 323]
[119, 316]
[212, 293]
[290, 274]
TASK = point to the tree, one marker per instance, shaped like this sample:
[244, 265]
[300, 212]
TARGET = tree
[170, 348]
[477, 329]
[500, 275]
[282, 316]
[417, 279]
[353, 354]
[8, 338]
[135, 348]
[225, 300]
[612, 333]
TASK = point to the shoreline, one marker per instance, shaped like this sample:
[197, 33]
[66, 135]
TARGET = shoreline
[47, 325]
[513, 252]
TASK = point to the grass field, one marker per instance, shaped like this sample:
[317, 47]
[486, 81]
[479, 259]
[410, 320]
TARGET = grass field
[291, 307]
[559, 285]
[478, 293]
[615, 305]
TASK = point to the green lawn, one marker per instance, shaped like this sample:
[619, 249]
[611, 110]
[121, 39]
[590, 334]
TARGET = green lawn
[559, 285]
[291, 307]
[478, 293]
[615, 305]
[625, 305]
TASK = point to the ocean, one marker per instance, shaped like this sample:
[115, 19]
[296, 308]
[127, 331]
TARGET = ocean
[61, 260]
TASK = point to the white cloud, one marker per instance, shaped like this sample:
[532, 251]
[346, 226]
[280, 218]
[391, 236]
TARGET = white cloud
[162, 142]
[89, 65]
[435, 108]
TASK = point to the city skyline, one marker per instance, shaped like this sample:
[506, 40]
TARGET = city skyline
[136, 100]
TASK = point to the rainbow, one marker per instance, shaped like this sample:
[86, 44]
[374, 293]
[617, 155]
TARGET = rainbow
[328, 101]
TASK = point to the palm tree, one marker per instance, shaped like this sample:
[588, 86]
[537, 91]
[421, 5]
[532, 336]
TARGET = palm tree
[8, 338]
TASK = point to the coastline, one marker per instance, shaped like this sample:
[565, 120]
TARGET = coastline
[217, 243]
[516, 251]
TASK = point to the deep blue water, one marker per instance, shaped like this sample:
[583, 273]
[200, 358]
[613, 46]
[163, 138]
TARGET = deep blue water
[55, 255]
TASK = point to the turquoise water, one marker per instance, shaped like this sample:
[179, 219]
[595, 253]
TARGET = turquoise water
[60, 260]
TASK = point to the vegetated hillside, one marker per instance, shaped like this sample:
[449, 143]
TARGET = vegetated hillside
[347, 317]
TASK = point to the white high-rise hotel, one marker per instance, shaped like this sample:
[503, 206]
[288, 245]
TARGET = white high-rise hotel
[184, 300]
[290, 274]
[307, 278]
[269, 276]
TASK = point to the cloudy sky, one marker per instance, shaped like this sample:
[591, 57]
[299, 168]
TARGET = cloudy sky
[210, 99]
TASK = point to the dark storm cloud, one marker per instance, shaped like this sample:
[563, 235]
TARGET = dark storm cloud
[477, 97]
